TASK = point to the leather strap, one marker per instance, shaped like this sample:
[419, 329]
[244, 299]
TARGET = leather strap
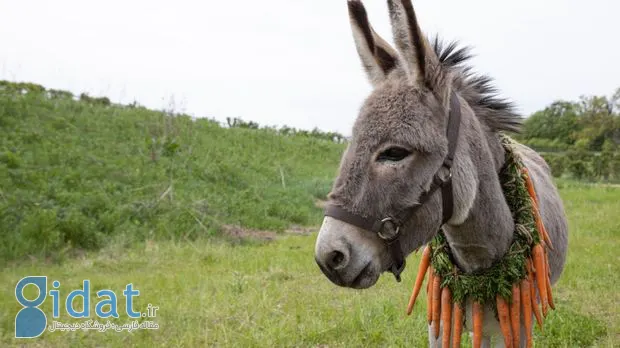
[454, 125]
[339, 213]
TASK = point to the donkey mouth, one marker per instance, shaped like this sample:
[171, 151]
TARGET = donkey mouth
[363, 280]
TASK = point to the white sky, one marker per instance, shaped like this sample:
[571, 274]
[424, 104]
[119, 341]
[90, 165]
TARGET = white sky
[294, 62]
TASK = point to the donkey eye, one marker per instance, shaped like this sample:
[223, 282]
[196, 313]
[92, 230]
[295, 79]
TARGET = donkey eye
[393, 154]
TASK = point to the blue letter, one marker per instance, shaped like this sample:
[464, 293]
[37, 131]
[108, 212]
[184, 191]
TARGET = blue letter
[111, 301]
[85, 293]
[129, 293]
[55, 294]
[30, 322]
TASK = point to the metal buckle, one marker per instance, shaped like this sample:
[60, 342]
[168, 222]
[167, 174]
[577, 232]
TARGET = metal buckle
[397, 270]
[395, 230]
[447, 178]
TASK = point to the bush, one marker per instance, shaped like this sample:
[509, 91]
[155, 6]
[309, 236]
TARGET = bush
[615, 166]
[557, 163]
[59, 94]
[545, 145]
[579, 169]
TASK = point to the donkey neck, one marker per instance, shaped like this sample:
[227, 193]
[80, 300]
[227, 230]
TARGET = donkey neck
[487, 232]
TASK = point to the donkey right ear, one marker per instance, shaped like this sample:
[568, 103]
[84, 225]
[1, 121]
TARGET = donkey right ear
[378, 57]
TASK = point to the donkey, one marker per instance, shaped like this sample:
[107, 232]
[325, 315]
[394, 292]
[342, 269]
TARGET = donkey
[424, 155]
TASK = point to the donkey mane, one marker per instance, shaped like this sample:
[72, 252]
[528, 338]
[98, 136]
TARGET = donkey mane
[497, 113]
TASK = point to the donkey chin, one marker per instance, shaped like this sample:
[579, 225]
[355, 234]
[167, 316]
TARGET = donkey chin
[349, 256]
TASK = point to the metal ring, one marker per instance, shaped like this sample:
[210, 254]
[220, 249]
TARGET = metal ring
[446, 179]
[396, 232]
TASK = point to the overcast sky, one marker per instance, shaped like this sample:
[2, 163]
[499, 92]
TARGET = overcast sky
[294, 62]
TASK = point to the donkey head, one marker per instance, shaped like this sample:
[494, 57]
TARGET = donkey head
[398, 146]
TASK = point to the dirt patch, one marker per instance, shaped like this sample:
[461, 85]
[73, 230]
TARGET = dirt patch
[241, 233]
[303, 230]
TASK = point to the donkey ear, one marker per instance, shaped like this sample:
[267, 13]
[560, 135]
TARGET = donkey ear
[378, 57]
[419, 59]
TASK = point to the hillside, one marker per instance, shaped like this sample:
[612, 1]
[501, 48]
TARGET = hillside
[79, 173]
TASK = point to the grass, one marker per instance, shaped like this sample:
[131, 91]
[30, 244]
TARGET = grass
[252, 293]
[120, 195]
[75, 175]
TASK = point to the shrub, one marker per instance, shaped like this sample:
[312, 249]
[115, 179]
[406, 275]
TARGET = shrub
[579, 169]
[557, 163]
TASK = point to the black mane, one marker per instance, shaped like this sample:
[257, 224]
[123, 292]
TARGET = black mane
[482, 96]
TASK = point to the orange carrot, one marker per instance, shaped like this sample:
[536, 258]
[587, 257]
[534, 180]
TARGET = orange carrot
[446, 316]
[527, 311]
[429, 297]
[436, 290]
[528, 183]
[535, 207]
[478, 314]
[503, 314]
[535, 309]
[458, 325]
[430, 278]
[540, 226]
[540, 269]
[550, 294]
[515, 315]
[533, 295]
[548, 282]
[424, 263]
[545, 234]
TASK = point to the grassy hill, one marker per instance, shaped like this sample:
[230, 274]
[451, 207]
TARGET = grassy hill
[77, 174]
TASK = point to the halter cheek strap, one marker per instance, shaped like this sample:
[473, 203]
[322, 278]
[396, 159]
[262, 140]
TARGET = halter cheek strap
[388, 228]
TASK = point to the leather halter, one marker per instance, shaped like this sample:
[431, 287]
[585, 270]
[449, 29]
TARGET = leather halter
[388, 228]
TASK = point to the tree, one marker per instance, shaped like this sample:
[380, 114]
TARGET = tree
[597, 122]
[615, 102]
[558, 121]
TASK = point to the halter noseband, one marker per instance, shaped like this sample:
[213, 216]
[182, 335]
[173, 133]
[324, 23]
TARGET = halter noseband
[388, 228]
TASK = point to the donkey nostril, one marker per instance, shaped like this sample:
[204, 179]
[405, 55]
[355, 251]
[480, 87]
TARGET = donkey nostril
[336, 259]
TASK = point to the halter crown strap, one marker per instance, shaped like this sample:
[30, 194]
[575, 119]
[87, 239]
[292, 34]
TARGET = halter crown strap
[454, 125]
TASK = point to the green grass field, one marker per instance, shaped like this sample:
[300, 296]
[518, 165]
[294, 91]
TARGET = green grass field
[271, 293]
[123, 195]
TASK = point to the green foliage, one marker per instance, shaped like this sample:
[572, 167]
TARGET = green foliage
[59, 94]
[288, 131]
[584, 137]
[588, 123]
[556, 123]
[75, 174]
[21, 87]
[557, 163]
[103, 101]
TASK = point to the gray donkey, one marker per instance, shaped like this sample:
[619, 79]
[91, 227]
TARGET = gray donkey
[424, 155]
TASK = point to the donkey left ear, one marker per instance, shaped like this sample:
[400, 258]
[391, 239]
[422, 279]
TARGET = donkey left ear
[421, 62]
[378, 57]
